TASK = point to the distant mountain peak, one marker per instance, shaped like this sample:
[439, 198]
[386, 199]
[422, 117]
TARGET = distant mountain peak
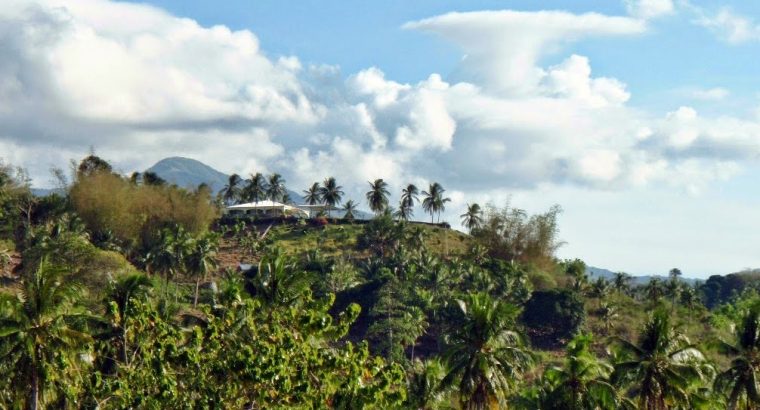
[189, 173]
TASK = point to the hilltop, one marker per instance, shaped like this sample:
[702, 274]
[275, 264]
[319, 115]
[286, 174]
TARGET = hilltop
[188, 172]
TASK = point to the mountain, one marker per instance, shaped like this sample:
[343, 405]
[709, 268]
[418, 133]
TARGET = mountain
[188, 173]
[594, 273]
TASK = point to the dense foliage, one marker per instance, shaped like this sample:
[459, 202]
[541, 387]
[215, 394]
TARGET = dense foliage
[125, 292]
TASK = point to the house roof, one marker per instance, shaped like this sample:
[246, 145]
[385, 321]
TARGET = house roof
[264, 206]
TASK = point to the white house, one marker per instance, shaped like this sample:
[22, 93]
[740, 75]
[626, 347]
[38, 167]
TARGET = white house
[265, 208]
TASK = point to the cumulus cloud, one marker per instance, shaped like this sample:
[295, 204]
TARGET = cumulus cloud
[647, 9]
[140, 84]
[710, 94]
[728, 25]
[503, 47]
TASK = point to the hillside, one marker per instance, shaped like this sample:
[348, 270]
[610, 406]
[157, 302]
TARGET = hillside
[333, 241]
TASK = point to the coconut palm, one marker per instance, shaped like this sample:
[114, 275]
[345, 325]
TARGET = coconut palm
[278, 282]
[674, 287]
[740, 381]
[689, 298]
[434, 202]
[168, 254]
[377, 196]
[581, 383]
[331, 193]
[654, 290]
[231, 191]
[424, 384]
[473, 218]
[600, 288]
[201, 259]
[38, 332]
[663, 368]
[349, 207]
[256, 188]
[122, 292]
[486, 357]
[312, 196]
[404, 212]
[409, 196]
[609, 314]
[275, 187]
[621, 282]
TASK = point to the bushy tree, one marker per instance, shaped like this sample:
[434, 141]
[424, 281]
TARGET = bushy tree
[510, 234]
[552, 317]
[486, 356]
[41, 340]
[663, 370]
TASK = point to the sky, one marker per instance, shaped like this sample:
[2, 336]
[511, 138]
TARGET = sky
[640, 118]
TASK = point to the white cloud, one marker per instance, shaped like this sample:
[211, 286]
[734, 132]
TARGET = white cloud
[502, 48]
[728, 25]
[710, 94]
[572, 79]
[78, 75]
[647, 9]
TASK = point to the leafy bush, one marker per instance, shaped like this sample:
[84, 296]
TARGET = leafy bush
[553, 316]
[112, 206]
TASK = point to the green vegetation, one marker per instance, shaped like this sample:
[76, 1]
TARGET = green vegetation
[124, 292]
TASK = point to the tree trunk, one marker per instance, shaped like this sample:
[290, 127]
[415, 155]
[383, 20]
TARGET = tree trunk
[197, 285]
[124, 348]
[35, 392]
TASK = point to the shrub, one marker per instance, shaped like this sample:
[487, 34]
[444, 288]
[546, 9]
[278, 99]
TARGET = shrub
[552, 317]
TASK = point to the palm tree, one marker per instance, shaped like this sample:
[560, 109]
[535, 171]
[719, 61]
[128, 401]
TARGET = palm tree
[275, 187]
[740, 381]
[485, 357]
[231, 191]
[621, 282]
[168, 254]
[404, 212]
[349, 208]
[599, 289]
[409, 197]
[662, 369]
[257, 187]
[201, 259]
[424, 384]
[121, 292]
[473, 218]
[674, 287]
[312, 196]
[38, 332]
[331, 193]
[580, 384]
[689, 298]
[377, 196]
[278, 281]
[653, 290]
[434, 202]
[417, 323]
[609, 314]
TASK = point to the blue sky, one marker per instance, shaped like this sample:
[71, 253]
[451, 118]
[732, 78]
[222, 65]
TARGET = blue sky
[674, 55]
[641, 118]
